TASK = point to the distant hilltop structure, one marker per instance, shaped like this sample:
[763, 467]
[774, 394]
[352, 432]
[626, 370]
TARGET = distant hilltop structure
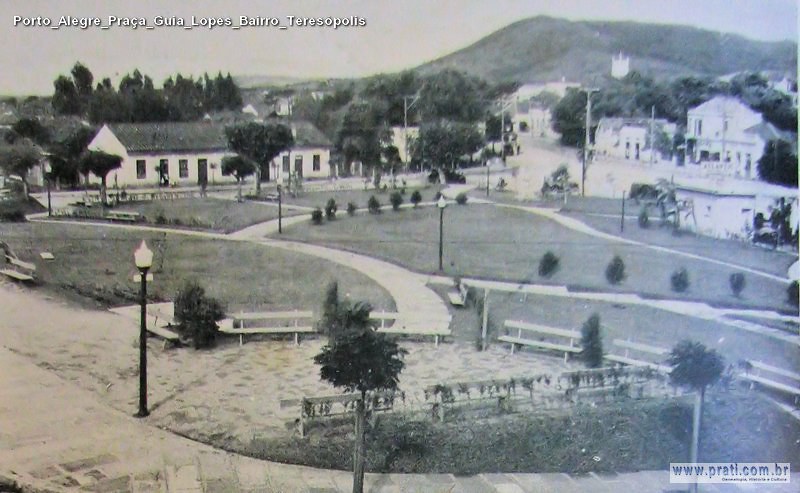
[620, 66]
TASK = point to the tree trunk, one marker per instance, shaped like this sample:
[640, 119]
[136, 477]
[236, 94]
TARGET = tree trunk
[25, 191]
[239, 198]
[698, 414]
[258, 180]
[103, 191]
[359, 455]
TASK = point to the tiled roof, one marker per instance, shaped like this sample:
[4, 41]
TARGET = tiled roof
[307, 135]
[170, 136]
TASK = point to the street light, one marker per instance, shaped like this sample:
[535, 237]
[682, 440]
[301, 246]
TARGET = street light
[143, 257]
[441, 204]
[280, 211]
[47, 172]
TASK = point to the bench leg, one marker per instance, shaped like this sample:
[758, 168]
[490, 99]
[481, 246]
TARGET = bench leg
[296, 338]
[241, 340]
[436, 343]
[566, 356]
[512, 347]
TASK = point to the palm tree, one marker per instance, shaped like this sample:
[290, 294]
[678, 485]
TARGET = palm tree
[358, 358]
[695, 366]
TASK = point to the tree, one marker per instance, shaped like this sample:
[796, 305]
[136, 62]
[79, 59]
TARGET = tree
[592, 342]
[65, 155]
[444, 142]
[197, 314]
[32, 129]
[360, 360]
[66, 100]
[453, 95]
[99, 164]
[239, 167]
[548, 265]
[569, 118]
[82, 78]
[778, 164]
[363, 133]
[615, 271]
[260, 143]
[695, 366]
[18, 160]
[737, 282]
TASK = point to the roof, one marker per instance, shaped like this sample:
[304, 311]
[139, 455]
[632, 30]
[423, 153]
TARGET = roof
[729, 187]
[307, 135]
[768, 131]
[616, 124]
[723, 104]
[170, 136]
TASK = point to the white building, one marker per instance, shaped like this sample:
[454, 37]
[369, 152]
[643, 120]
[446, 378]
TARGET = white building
[727, 208]
[726, 137]
[402, 138]
[630, 138]
[310, 157]
[164, 153]
[620, 66]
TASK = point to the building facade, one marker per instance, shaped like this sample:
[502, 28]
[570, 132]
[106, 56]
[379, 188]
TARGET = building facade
[725, 136]
[309, 158]
[164, 154]
[631, 138]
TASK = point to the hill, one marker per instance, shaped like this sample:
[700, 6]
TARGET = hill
[544, 48]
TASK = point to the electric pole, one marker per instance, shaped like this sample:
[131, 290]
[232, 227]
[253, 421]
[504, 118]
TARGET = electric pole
[586, 144]
[652, 135]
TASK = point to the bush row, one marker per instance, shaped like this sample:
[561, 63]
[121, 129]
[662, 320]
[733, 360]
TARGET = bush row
[374, 205]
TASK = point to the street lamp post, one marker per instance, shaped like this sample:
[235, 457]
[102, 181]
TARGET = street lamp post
[280, 211]
[47, 173]
[143, 258]
[441, 203]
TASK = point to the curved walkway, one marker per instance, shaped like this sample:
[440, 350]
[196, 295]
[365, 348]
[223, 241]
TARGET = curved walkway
[582, 227]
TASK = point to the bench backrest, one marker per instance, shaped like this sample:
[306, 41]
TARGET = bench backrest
[758, 365]
[19, 263]
[542, 329]
[294, 314]
[645, 348]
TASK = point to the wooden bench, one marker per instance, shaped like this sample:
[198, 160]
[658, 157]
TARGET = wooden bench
[541, 330]
[412, 327]
[165, 334]
[629, 346]
[22, 271]
[236, 324]
[769, 380]
[458, 296]
[122, 216]
[273, 196]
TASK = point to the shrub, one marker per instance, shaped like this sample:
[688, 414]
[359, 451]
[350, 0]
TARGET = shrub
[644, 219]
[330, 209]
[351, 208]
[680, 280]
[461, 199]
[396, 199]
[591, 342]
[316, 216]
[13, 213]
[161, 218]
[548, 265]
[736, 280]
[197, 315]
[416, 198]
[374, 205]
[615, 272]
[792, 294]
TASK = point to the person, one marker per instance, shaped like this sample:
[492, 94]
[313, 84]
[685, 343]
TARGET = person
[203, 187]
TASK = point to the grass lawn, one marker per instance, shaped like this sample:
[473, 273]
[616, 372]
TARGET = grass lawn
[627, 435]
[495, 243]
[358, 197]
[209, 214]
[96, 263]
[636, 323]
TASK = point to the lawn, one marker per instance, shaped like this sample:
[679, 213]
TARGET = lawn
[358, 197]
[224, 216]
[96, 263]
[496, 243]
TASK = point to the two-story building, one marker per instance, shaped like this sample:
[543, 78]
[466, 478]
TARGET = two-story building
[727, 137]
[631, 138]
[309, 158]
[165, 153]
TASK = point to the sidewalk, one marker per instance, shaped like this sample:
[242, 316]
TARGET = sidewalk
[64, 439]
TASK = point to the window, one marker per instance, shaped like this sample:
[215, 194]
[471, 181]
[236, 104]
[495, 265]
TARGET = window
[141, 169]
[286, 164]
[183, 168]
[699, 129]
[316, 164]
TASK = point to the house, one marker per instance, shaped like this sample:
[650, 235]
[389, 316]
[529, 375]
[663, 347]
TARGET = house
[310, 157]
[727, 137]
[727, 208]
[186, 153]
[630, 138]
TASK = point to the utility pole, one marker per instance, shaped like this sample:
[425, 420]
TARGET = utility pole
[406, 107]
[586, 144]
[652, 135]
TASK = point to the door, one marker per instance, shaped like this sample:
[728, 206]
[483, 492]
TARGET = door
[202, 171]
[298, 166]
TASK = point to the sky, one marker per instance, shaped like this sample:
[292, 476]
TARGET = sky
[398, 34]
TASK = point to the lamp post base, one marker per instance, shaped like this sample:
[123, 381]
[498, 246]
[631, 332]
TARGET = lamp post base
[141, 414]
